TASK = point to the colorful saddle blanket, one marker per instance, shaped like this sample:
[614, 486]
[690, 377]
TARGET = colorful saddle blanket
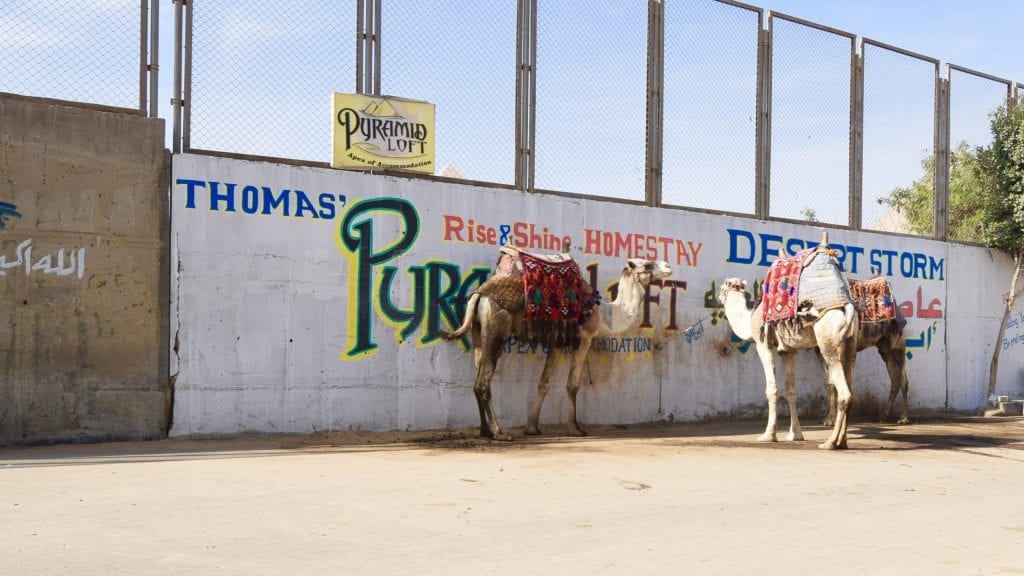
[780, 293]
[873, 299]
[549, 289]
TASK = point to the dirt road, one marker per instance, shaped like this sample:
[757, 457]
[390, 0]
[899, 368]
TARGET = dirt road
[935, 497]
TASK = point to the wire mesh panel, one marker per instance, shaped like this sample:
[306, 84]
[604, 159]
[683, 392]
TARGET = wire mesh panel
[463, 62]
[591, 97]
[972, 100]
[78, 51]
[899, 140]
[810, 144]
[710, 105]
[263, 73]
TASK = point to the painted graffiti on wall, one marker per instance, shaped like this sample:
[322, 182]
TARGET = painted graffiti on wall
[24, 260]
[7, 211]
[761, 249]
[28, 261]
[440, 289]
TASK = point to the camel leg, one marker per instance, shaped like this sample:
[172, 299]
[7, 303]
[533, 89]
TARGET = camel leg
[830, 390]
[789, 371]
[550, 363]
[493, 336]
[895, 358]
[572, 386]
[840, 367]
[771, 391]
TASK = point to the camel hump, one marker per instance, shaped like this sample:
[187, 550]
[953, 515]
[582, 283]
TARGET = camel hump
[550, 258]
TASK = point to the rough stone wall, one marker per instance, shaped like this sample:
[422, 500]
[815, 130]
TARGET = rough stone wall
[83, 273]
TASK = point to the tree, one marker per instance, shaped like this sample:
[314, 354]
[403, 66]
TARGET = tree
[1002, 206]
[917, 203]
[986, 201]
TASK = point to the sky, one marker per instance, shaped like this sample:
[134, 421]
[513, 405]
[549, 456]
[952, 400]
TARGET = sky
[983, 35]
[271, 70]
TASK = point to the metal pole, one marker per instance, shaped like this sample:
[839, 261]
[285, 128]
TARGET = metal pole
[360, 30]
[154, 59]
[763, 127]
[377, 14]
[941, 213]
[143, 63]
[857, 139]
[176, 95]
[186, 104]
[655, 100]
[526, 93]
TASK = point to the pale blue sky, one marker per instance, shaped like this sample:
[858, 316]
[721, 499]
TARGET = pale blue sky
[586, 66]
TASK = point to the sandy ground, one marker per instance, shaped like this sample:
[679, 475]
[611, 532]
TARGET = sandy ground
[940, 496]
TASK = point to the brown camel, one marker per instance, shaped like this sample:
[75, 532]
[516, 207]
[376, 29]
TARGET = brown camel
[825, 318]
[493, 323]
[885, 334]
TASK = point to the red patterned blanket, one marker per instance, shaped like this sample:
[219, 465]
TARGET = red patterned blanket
[554, 290]
[873, 299]
[780, 291]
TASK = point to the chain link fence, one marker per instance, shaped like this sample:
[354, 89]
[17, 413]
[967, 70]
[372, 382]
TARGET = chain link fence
[710, 112]
[263, 72]
[810, 138]
[467, 69]
[707, 104]
[591, 97]
[973, 97]
[82, 52]
[899, 132]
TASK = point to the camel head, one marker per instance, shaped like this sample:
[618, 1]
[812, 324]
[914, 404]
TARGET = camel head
[732, 285]
[647, 271]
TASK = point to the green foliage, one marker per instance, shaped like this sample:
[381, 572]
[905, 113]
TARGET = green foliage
[1004, 163]
[986, 189]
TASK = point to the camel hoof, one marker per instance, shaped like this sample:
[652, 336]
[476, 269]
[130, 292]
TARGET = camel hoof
[828, 422]
[767, 437]
[576, 432]
[903, 421]
[503, 437]
[827, 446]
[795, 437]
[531, 431]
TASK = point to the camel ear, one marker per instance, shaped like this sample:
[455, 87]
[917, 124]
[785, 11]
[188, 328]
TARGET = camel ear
[630, 263]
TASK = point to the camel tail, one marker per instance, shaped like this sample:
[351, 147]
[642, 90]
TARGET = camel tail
[467, 322]
[851, 320]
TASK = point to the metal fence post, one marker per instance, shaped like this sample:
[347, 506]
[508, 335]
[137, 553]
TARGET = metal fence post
[857, 139]
[763, 126]
[526, 93]
[176, 102]
[368, 18]
[942, 157]
[655, 100]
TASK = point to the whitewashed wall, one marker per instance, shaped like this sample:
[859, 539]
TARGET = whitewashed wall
[271, 332]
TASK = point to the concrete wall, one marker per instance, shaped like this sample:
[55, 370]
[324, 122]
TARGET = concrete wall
[83, 273]
[308, 299]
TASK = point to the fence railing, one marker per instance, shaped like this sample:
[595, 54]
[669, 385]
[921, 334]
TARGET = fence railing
[96, 52]
[710, 105]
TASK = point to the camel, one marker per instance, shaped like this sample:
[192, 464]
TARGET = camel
[886, 336]
[493, 324]
[825, 318]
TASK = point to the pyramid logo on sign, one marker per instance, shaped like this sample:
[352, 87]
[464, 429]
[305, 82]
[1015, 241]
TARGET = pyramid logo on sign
[382, 109]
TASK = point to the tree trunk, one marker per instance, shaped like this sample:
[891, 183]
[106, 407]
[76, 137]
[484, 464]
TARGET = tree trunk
[994, 368]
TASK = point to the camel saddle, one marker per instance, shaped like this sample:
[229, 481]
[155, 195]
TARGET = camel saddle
[548, 289]
[876, 307]
[799, 288]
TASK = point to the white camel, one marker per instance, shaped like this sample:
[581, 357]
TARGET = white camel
[832, 330]
[492, 326]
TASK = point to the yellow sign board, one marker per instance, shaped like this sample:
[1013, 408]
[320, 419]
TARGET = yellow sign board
[383, 133]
